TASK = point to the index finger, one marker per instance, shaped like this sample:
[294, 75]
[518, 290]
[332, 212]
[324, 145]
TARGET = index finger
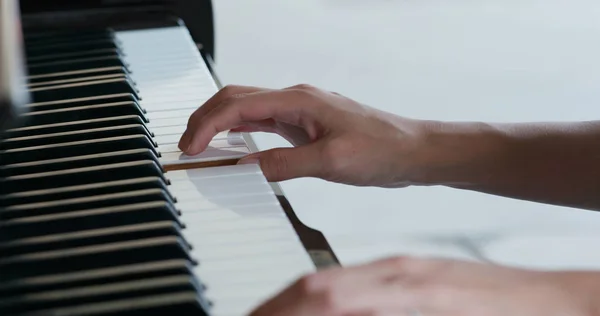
[211, 103]
[286, 106]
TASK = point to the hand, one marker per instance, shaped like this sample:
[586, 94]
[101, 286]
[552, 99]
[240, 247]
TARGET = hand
[432, 287]
[335, 138]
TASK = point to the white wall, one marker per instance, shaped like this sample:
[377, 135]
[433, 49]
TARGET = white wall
[506, 60]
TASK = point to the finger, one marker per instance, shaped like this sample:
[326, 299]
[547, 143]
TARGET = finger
[295, 138]
[398, 299]
[292, 301]
[299, 297]
[209, 105]
[351, 299]
[267, 126]
[280, 164]
[307, 293]
[279, 105]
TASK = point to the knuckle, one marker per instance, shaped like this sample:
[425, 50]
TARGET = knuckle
[324, 285]
[304, 86]
[398, 261]
[229, 93]
[332, 302]
[227, 106]
[229, 90]
[311, 283]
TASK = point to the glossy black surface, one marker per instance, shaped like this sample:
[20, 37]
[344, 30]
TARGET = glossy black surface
[82, 191]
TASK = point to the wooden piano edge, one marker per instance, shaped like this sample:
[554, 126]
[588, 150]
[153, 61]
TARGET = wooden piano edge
[314, 241]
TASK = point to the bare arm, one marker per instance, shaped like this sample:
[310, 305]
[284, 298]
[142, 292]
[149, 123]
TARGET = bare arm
[556, 163]
[340, 140]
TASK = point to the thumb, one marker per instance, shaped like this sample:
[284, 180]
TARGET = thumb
[280, 164]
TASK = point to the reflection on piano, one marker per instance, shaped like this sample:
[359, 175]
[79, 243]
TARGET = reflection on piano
[100, 213]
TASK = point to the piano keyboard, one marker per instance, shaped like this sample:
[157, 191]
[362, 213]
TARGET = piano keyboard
[101, 214]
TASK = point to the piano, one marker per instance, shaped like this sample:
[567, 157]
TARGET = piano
[100, 213]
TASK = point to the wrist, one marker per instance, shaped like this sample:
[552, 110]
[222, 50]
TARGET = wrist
[458, 154]
[584, 288]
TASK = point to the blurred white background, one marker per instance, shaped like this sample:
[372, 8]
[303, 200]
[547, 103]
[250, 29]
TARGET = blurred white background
[505, 60]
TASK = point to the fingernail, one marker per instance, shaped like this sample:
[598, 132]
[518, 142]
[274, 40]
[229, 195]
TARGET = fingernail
[184, 141]
[249, 160]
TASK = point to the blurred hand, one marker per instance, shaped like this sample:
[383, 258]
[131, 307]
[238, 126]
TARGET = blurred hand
[334, 138]
[432, 287]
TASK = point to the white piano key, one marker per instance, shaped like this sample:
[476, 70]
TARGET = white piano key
[220, 184]
[193, 201]
[215, 145]
[178, 93]
[168, 130]
[227, 216]
[172, 135]
[236, 139]
[166, 139]
[215, 172]
[222, 240]
[174, 105]
[255, 263]
[246, 249]
[234, 223]
[169, 122]
[210, 191]
[274, 276]
[174, 138]
[169, 114]
[210, 154]
[158, 57]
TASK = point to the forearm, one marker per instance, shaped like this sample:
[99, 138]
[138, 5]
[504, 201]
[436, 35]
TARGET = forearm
[557, 163]
[583, 286]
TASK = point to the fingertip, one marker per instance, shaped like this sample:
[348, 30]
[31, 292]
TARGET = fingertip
[196, 145]
[249, 159]
[184, 141]
[191, 150]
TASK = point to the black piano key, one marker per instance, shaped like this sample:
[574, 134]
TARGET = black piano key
[86, 112]
[76, 64]
[81, 148]
[80, 176]
[77, 74]
[73, 136]
[86, 220]
[79, 102]
[51, 83]
[98, 276]
[182, 304]
[69, 41]
[83, 89]
[86, 299]
[69, 47]
[77, 191]
[75, 57]
[89, 238]
[83, 203]
[77, 162]
[68, 35]
[77, 54]
[74, 126]
[95, 257]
